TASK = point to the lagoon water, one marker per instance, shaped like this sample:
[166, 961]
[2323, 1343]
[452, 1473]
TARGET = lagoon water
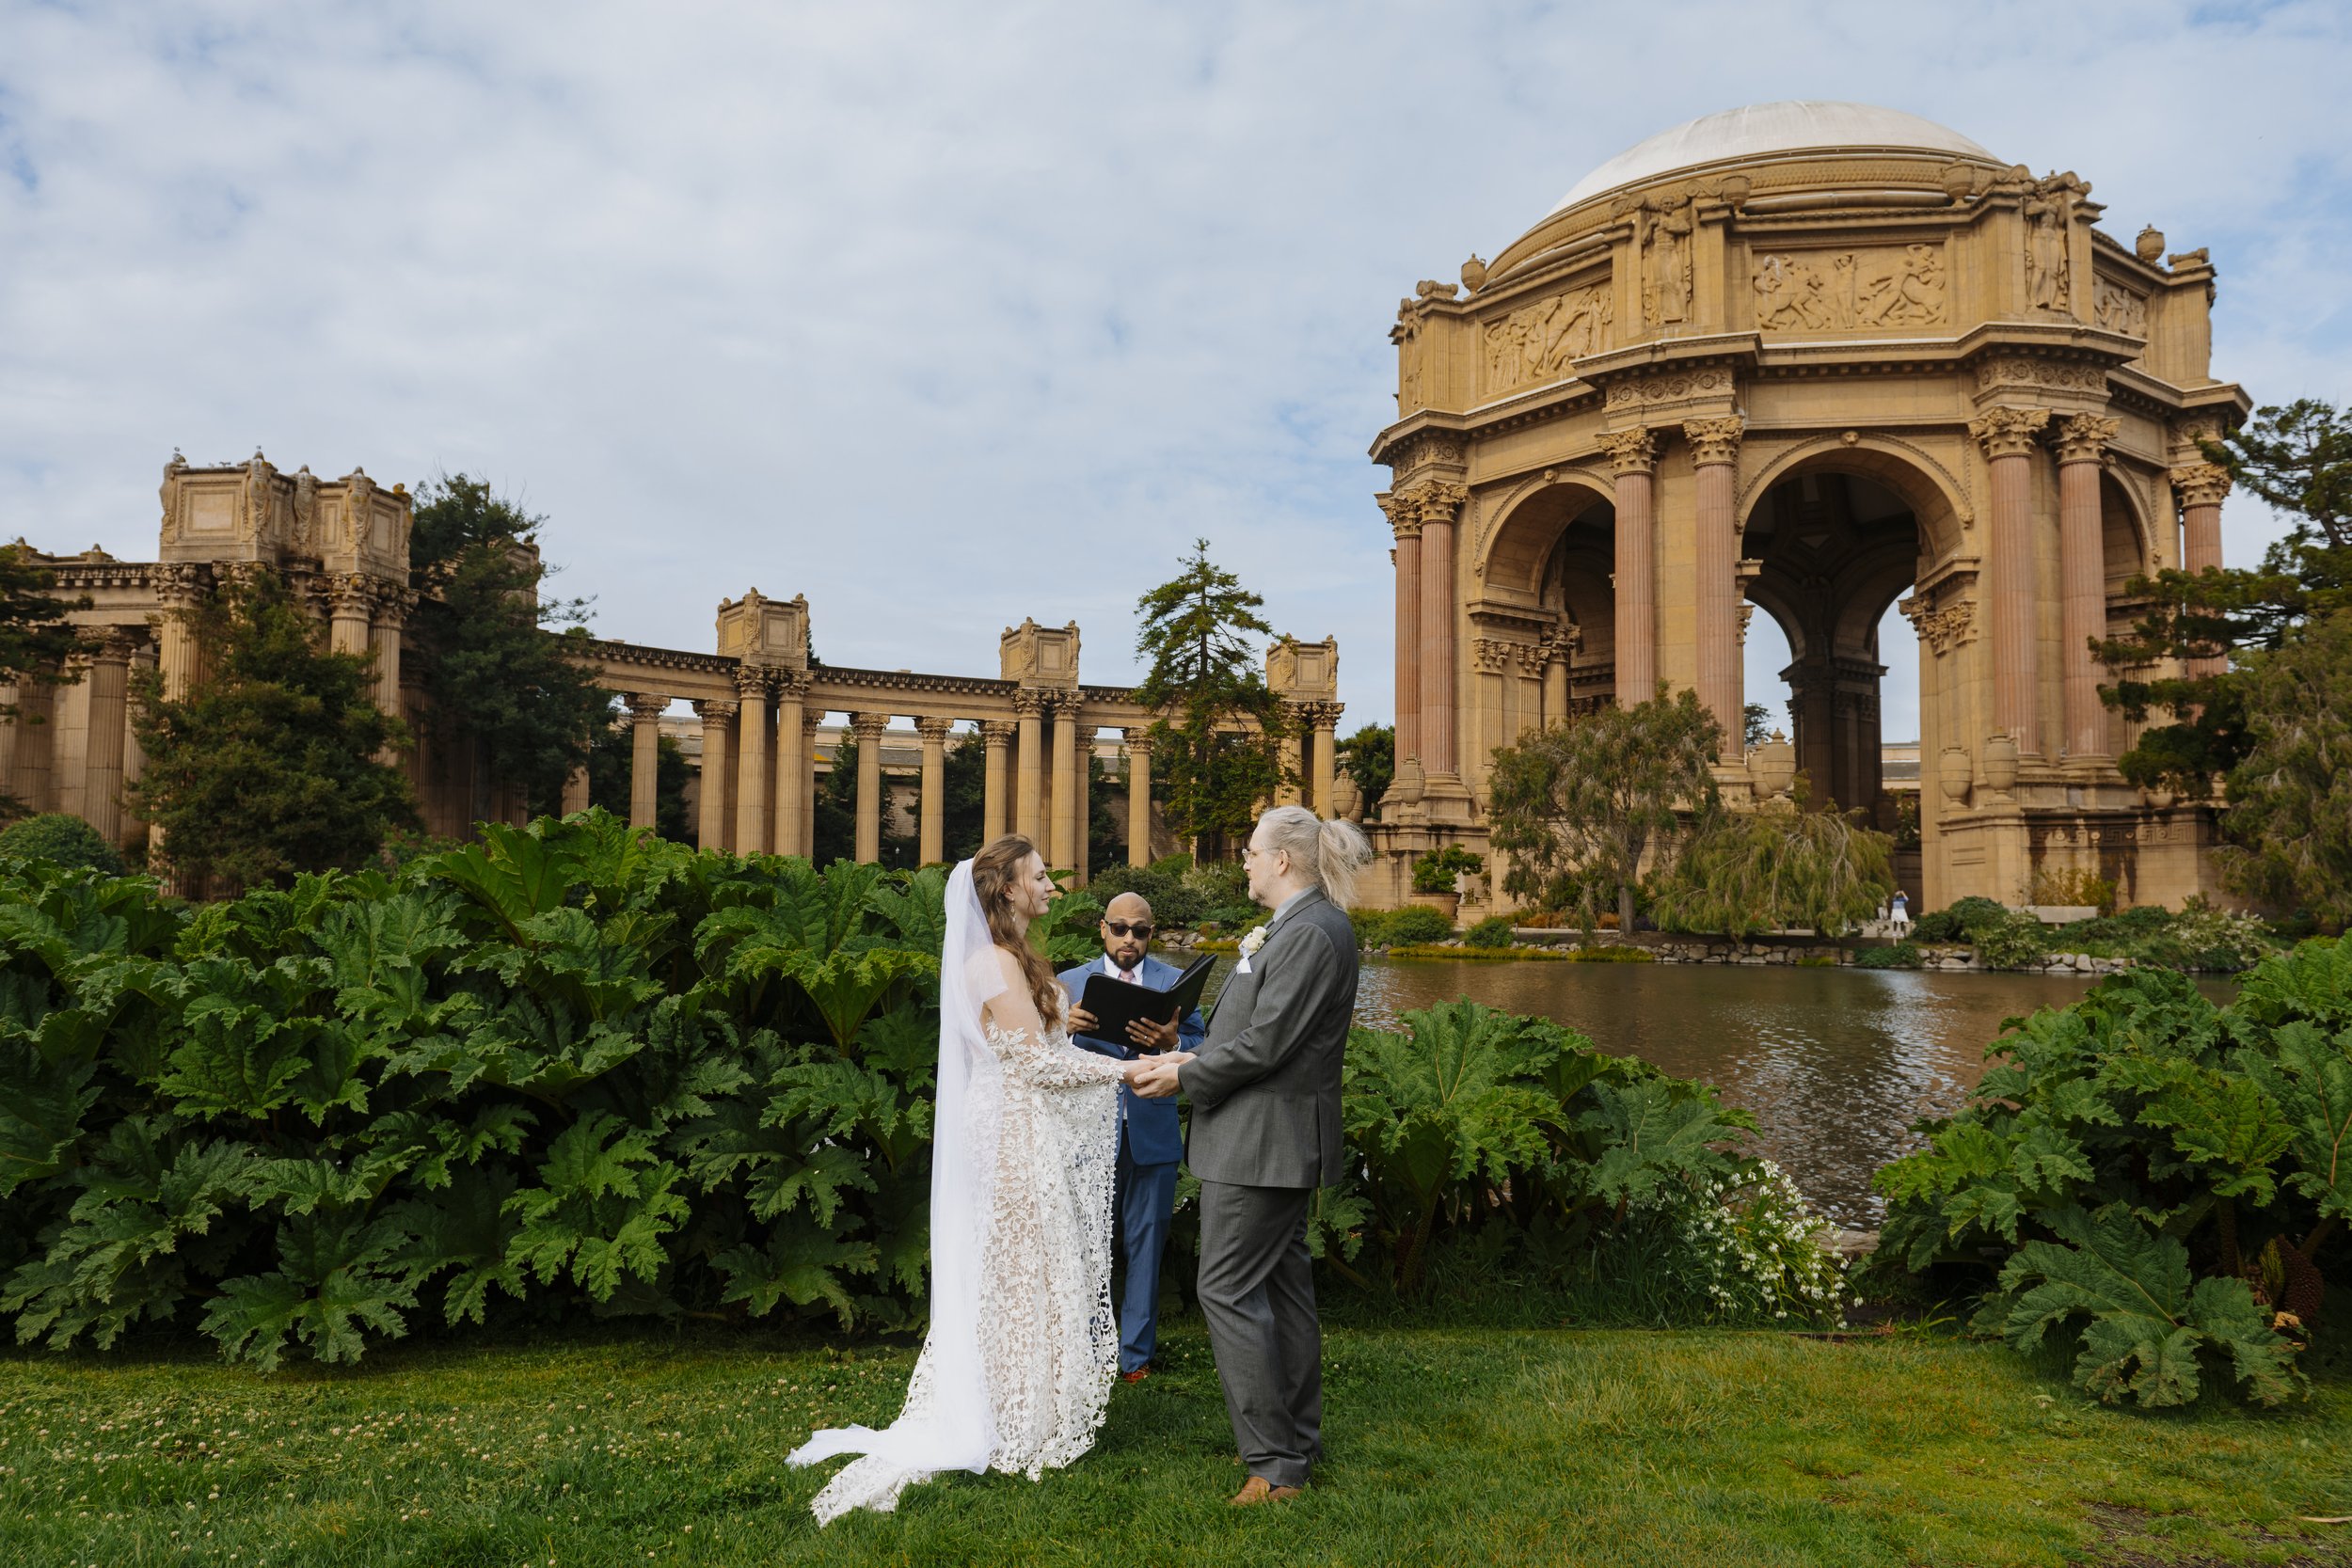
[1834, 1063]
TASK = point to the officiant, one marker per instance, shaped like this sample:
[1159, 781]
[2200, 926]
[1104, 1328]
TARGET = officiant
[1150, 1143]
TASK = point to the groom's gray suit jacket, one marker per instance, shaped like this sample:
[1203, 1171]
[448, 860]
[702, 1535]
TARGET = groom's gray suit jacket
[1265, 1086]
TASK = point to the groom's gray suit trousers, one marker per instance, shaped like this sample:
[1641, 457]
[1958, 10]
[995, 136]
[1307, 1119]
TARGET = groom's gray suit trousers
[1257, 1291]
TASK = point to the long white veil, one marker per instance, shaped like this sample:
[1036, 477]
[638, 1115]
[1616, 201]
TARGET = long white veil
[947, 1423]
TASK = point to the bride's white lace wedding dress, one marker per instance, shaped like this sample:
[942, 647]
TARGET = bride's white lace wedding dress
[1017, 1369]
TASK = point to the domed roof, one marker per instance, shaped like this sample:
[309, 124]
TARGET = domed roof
[1765, 130]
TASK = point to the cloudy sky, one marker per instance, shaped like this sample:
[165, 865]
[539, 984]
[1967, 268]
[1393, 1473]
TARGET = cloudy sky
[948, 315]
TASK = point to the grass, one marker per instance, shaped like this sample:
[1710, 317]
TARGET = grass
[1446, 1446]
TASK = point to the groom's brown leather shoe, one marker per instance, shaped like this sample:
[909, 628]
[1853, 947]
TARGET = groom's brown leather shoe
[1257, 1489]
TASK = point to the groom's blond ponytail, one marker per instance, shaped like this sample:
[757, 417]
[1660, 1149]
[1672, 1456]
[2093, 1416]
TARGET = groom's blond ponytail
[1329, 853]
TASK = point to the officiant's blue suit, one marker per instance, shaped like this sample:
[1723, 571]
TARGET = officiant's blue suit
[1151, 1143]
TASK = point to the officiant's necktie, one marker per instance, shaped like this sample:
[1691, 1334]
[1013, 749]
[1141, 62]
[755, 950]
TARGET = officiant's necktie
[1128, 976]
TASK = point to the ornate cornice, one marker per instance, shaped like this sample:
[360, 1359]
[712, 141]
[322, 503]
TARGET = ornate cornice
[2006, 432]
[2083, 438]
[2201, 483]
[1714, 440]
[1630, 451]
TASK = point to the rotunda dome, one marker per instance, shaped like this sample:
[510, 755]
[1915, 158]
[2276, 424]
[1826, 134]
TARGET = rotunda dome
[1767, 130]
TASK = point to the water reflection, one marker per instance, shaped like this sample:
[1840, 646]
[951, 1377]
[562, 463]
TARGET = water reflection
[1836, 1063]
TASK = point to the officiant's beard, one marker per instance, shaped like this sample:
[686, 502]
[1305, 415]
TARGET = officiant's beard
[1127, 951]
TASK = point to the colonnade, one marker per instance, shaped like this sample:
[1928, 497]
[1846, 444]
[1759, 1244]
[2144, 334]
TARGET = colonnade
[1425, 519]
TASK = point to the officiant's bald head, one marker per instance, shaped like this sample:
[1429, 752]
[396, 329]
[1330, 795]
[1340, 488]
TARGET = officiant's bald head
[1127, 930]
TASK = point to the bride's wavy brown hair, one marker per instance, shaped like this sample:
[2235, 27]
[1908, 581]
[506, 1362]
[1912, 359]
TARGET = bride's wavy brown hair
[994, 870]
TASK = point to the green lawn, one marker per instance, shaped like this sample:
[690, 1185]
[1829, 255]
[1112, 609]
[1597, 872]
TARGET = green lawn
[1446, 1446]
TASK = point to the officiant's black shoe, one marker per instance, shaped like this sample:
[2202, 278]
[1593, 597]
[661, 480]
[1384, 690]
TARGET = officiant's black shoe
[1257, 1489]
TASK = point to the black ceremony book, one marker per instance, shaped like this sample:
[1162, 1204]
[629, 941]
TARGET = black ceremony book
[1116, 1002]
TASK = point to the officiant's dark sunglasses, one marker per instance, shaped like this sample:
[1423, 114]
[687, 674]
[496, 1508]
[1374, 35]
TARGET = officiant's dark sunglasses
[1121, 927]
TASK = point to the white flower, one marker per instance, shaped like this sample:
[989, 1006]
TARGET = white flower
[1250, 945]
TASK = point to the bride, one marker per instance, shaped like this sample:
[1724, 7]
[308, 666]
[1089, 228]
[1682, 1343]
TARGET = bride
[1018, 1365]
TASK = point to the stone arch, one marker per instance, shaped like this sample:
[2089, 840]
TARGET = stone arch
[2127, 542]
[1513, 550]
[1938, 497]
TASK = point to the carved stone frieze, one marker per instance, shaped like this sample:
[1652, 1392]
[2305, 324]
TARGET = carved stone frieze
[2006, 432]
[1492, 653]
[1669, 387]
[1431, 450]
[2018, 370]
[2119, 308]
[1843, 291]
[1540, 342]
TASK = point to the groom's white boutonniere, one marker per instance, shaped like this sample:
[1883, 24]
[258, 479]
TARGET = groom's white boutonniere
[1250, 945]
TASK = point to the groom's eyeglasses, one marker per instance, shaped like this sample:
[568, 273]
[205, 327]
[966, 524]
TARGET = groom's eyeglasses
[1141, 929]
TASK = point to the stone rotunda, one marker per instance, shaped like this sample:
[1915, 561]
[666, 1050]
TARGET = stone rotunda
[1817, 359]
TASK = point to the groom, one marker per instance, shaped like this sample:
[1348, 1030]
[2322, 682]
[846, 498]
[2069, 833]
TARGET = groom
[1265, 1133]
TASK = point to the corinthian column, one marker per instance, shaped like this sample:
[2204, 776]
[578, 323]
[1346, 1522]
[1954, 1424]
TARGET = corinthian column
[179, 589]
[1029, 762]
[2007, 438]
[710, 824]
[2082, 441]
[1634, 457]
[934, 835]
[351, 598]
[392, 604]
[2202, 486]
[868, 729]
[791, 762]
[751, 762]
[997, 735]
[1405, 519]
[1440, 502]
[1139, 799]
[644, 756]
[1323, 766]
[101, 789]
[810, 719]
[1068, 779]
[1715, 450]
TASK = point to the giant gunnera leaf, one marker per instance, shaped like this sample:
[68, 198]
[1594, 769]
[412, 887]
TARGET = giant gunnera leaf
[2145, 1330]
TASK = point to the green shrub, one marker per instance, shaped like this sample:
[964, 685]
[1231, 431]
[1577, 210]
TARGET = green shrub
[2147, 1173]
[1904, 955]
[1613, 953]
[1493, 931]
[1957, 922]
[60, 839]
[569, 1072]
[2014, 939]
[1434, 871]
[1414, 923]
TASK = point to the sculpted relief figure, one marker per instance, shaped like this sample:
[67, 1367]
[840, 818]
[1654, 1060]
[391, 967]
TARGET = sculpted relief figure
[1665, 237]
[2118, 308]
[2047, 209]
[306, 505]
[168, 493]
[358, 499]
[1541, 342]
[1885, 288]
[261, 496]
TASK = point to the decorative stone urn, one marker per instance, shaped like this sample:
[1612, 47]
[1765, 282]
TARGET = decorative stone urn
[1955, 771]
[1774, 766]
[2001, 762]
[1347, 801]
[1411, 782]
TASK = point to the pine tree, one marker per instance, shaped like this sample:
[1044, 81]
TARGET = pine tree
[269, 767]
[491, 652]
[1215, 751]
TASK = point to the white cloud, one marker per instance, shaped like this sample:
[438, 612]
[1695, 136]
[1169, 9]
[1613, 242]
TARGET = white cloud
[948, 315]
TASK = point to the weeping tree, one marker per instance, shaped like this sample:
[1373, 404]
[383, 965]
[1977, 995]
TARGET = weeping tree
[1577, 805]
[1775, 868]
